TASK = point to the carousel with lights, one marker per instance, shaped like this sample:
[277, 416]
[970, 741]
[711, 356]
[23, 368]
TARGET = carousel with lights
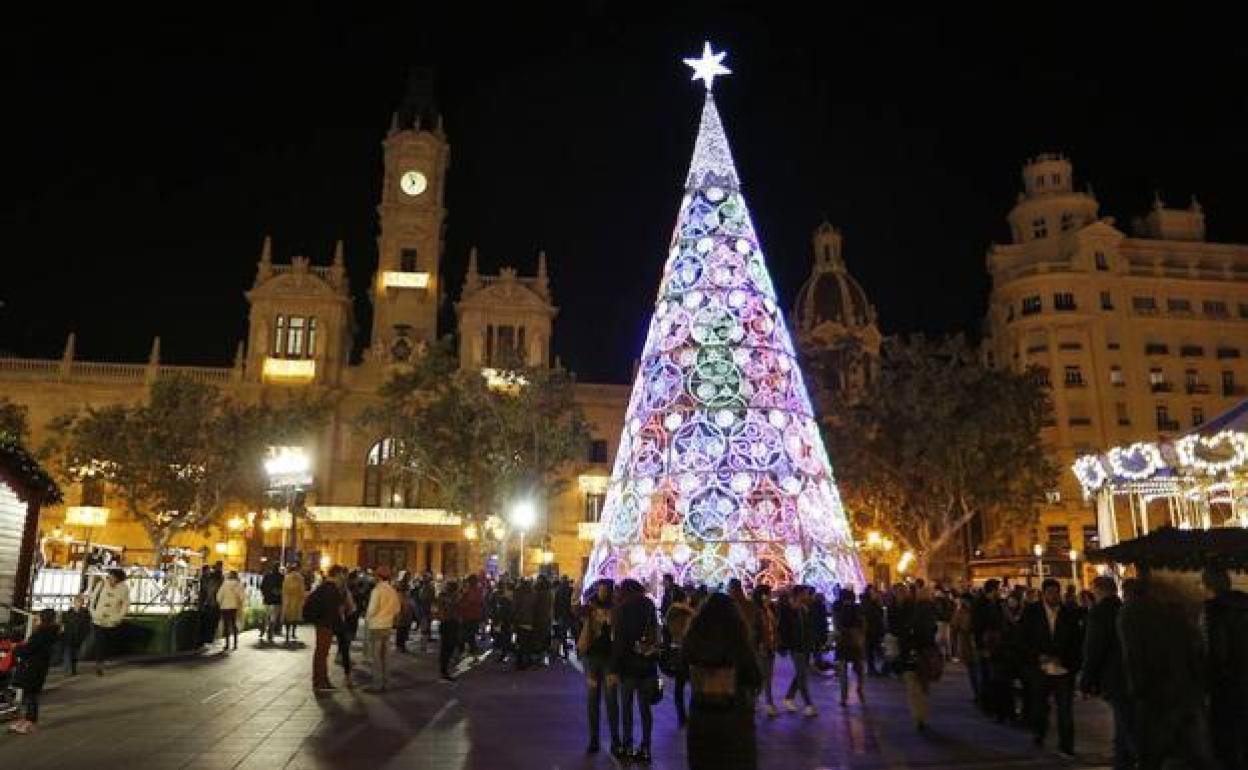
[721, 471]
[1198, 481]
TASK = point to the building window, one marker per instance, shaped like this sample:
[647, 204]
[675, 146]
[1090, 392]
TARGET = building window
[1068, 221]
[1226, 351]
[1198, 416]
[1191, 379]
[1041, 375]
[1123, 417]
[407, 260]
[1214, 308]
[1057, 539]
[387, 484]
[1243, 310]
[1038, 227]
[1163, 418]
[1056, 179]
[1146, 305]
[1156, 348]
[1031, 305]
[294, 337]
[1107, 301]
[1074, 377]
[598, 451]
[1228, 383]
[1064, 300]
[1178, 305]
[1115, 376]
[1102, 263]
[1091, 538]
[593, 506]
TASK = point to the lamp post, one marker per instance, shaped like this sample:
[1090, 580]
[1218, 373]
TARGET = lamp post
[289, 470]
[1075, 576]
[523, 516]
[1038, 550]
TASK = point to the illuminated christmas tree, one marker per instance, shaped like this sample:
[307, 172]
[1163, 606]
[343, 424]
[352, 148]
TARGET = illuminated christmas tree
[721, 471]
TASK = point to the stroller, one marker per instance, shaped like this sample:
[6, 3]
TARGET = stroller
[9, 705]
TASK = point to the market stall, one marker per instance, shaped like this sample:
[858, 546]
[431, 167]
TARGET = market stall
[24, 488]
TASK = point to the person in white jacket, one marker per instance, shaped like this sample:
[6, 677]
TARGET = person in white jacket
[231, 597]
[383, 608]
[110, 601]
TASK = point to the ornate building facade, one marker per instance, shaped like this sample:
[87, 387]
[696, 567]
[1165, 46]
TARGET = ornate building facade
[1140, 333]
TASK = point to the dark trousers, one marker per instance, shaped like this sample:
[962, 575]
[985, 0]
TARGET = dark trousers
[229, 621]
[104, 642]
[401, 634]
[636, 688]
[208, 618]
[320, 656]
[345, 637]
[681, 680]
[449, 633]
[469, 634]
[874, 655]
[801, 677]
[1062, 691]
[31, 699]
[70, 647]
[1124, 747]
[1230, 735]
[597, 690]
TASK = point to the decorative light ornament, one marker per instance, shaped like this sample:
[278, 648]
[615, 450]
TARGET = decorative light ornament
[1227, 441]
[1091, 474]
[1136, 462]
[708, 67]
[721, 471]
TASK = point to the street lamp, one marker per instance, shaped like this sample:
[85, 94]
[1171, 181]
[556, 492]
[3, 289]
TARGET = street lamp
[1038, 550]
[523, 516]
[1075, 575]
[289, 470]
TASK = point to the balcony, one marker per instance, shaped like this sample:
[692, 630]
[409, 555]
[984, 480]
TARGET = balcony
[1076, 383]
[1168, 425]
[1160, 387]
[1156, 349]
[1197, 388]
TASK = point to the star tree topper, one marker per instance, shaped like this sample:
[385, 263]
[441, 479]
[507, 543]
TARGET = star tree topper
[709, 66]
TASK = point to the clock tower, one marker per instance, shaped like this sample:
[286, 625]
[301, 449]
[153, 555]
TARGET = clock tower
[407, 286]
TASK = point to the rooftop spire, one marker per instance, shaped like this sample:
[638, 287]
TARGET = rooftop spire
[472, 281]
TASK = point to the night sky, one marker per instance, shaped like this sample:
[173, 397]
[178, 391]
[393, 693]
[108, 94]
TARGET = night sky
[148, 155]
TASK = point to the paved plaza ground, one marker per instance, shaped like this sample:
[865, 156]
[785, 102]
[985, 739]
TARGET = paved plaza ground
[254, 710]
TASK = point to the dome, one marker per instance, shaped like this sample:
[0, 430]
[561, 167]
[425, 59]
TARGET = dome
[830, 294]
[832, 297]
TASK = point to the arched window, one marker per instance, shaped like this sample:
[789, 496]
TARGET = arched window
[386, 484]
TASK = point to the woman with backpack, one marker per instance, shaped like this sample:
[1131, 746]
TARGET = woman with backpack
[724, 672]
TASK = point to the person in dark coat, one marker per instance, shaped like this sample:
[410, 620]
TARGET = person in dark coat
[1161, 657]
[1102, 675]
[850, 628]
[1053, 640]
[75, 627]
[873, 616]
[725, 676]
[913, 622]
[797, 639]
[271, 591]
[1226, 632]
[34, 658]
[593, 647]
[635, 642]
[324, 608]
[987, 628]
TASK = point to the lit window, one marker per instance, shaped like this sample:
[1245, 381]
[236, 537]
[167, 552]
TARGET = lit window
[1115, 376]
[1156, 377]
[294, 337]
[387, 484]
[593, 506]
[279, 336]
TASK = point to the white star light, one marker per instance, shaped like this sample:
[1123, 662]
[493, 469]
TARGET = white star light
[710, 65]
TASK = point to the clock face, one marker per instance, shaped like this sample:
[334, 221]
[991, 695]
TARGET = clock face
[413, 183]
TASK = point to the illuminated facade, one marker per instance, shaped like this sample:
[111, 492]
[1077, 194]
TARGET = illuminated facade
[1141, 335]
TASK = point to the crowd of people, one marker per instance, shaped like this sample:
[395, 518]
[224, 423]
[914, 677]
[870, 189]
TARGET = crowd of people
[1173, 672]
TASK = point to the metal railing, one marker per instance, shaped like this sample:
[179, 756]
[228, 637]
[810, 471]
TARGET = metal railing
[151, 592]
